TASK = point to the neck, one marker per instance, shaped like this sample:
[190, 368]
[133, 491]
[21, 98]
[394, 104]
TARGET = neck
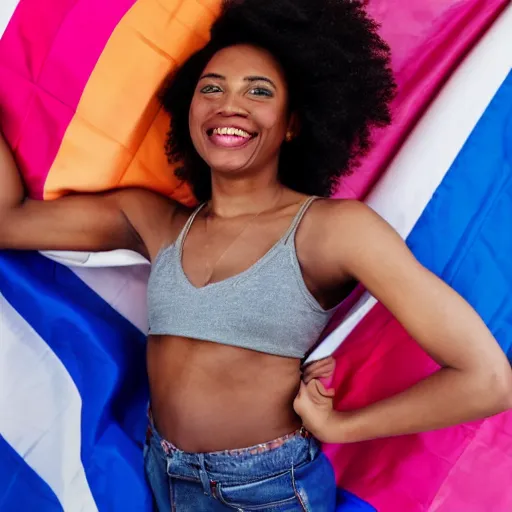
[236, 197]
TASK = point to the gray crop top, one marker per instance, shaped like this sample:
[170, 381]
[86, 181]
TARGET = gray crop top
[266, 308]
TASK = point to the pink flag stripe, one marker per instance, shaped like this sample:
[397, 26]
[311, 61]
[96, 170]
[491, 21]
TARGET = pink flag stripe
[474, 491]
[380, 359]
[433, 471]
[429, 39]
[44, 68]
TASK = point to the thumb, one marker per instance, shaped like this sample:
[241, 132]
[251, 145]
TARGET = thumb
[328, 381]
[320, 388]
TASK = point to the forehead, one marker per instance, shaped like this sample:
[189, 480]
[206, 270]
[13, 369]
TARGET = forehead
[245, 60]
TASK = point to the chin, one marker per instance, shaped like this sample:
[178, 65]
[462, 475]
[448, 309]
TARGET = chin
[228, 165]
[229, 171]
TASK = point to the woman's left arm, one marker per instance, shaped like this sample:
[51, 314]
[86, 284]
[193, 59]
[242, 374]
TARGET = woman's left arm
[475, 379]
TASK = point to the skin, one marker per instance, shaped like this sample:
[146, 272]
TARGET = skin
[206, 396]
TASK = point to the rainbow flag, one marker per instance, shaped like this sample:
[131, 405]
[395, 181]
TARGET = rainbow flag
[77, 104]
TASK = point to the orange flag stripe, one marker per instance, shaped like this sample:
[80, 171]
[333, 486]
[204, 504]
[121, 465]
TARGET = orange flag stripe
[117, 134]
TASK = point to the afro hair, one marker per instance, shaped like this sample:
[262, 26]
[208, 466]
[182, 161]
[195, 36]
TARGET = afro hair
[340, 84]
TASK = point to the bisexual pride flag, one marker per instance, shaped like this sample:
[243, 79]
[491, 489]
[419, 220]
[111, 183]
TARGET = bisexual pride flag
[78, 82]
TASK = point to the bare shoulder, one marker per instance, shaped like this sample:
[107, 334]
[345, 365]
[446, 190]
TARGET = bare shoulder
[342, 231]
[344, 211]
[345, 220]
[328, 233]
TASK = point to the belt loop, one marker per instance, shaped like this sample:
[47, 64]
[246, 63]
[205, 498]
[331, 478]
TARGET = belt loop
[312, 446]
[203, 475]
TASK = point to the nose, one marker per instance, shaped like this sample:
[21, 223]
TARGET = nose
[231, 105]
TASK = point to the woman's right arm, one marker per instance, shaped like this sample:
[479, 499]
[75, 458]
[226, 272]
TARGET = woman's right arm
[123, 219]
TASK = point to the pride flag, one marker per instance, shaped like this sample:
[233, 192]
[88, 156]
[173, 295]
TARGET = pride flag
[77, 104]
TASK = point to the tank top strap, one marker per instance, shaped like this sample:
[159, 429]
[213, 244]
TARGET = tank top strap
[187, 226]
[298, 218]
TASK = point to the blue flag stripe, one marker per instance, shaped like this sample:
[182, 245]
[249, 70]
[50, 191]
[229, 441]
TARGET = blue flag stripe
[104, 354]
[21, 489]
[464, 234]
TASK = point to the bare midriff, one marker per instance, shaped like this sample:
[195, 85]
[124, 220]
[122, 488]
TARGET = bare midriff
[209, 397]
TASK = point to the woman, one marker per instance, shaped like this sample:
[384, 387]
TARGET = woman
[265, 118]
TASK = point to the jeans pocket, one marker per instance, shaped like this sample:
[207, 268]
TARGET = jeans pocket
[156, 474]
[315, 485]
[274, 494]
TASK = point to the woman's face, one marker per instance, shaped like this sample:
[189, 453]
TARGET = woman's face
[239, 113]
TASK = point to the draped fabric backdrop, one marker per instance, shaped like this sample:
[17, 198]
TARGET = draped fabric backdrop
[77, 105]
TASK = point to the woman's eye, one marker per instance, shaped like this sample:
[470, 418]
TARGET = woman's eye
[209, 89]
[261, 91]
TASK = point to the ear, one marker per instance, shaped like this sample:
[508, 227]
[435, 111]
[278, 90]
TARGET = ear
[293, 127]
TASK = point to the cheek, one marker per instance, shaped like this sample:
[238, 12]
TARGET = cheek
[274, 119]
[194, 119]
[195, 122]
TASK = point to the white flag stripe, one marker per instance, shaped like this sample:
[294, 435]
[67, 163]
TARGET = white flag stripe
[7, 8]
[420, 166]
[117, 258]
[124, 288]
[40, 409]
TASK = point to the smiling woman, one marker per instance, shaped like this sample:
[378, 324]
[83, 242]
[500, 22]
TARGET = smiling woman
[264, 119]
[234, 107]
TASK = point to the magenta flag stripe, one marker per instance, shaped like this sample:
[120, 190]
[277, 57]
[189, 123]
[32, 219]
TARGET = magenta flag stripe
[44, 68]
[428, 38]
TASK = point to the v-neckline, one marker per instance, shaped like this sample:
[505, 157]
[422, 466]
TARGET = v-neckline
[281, 242]
[234, 277]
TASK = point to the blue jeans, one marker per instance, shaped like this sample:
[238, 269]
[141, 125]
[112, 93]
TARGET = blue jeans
[285, 475]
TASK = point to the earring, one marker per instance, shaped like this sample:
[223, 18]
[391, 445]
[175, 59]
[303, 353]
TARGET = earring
[289, 136]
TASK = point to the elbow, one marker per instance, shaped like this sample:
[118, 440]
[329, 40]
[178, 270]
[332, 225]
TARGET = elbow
[506, 394]
[5, 230]
[498, 391]
[9, 226]
[3, 233]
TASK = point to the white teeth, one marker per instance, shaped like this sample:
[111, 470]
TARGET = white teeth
[231, 131]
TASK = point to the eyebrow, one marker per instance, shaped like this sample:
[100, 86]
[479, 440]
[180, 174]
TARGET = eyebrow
[247, 78]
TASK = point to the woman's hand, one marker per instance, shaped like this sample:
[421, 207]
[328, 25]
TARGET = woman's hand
[314, 404]
[322, 369]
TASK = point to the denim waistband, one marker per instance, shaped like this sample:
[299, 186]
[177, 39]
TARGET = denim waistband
[168, 447]
[267, 458]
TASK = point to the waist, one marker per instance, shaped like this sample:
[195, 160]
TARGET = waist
[207, 397]
[263, 459]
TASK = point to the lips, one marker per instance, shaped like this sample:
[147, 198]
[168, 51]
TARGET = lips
[230, 137]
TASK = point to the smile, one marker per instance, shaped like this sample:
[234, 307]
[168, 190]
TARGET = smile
[230, 137]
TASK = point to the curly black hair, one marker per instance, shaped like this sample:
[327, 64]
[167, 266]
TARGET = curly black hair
[331, 52]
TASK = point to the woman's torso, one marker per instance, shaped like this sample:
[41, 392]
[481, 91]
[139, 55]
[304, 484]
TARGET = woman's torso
[208, 396]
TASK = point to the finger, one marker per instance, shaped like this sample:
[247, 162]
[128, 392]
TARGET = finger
[307, 378]
[320, 363]
[324, 370]
[313, 392]
[318, 368]
[328, 393]
[330, 365]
